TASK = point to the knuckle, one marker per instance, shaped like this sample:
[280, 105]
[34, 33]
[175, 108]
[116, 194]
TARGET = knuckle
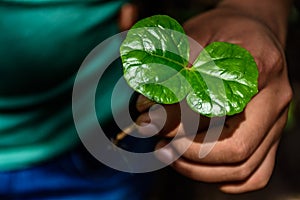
[276, 57]
[288, 94]
[239, 152]
[243, 173]
[274, 62]
[259, 182]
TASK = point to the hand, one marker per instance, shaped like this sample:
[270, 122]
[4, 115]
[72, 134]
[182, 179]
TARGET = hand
[127, 16]
[243, 157]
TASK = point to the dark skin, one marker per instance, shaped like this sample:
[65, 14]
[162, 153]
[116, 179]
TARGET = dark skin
[243, 158]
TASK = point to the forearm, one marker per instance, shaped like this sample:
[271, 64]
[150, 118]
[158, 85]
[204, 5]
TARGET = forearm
[273, 13]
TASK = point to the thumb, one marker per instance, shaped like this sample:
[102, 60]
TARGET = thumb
[143, 103]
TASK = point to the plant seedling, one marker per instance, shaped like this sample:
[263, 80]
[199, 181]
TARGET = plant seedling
[155, 56]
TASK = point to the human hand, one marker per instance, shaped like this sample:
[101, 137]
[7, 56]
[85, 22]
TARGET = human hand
[243, 157]
[128, 15]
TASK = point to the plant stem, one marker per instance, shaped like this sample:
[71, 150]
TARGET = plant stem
[121, 135]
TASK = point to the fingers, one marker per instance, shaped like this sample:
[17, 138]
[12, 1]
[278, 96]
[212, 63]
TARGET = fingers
[228, 172]
[165, 119]
[235, 148]
[240, 136]
[258, 180]
[250, 175]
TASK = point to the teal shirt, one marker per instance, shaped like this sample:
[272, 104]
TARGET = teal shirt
[42, 45]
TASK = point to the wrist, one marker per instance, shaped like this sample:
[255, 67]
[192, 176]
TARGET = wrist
[272, 13]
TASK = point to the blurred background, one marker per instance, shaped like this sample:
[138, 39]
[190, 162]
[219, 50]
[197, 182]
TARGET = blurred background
[285, 181]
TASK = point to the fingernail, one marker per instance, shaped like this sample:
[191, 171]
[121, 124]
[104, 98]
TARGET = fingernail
[148, 129]
[166, 155]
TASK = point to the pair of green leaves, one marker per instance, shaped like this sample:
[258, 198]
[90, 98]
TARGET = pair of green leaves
[155, 56]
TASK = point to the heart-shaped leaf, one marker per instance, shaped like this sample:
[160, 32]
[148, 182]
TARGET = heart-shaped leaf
[155, 55]
[230, 75]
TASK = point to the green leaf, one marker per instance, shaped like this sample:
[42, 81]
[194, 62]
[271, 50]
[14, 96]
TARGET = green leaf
[230, 75]
[155, 55]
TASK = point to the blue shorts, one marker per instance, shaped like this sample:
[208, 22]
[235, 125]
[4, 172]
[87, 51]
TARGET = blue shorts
[75, 175]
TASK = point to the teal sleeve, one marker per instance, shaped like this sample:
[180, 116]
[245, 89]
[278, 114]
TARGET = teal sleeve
[43, 44]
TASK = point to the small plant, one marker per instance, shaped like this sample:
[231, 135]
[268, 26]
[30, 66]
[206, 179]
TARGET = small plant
[155, 56]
